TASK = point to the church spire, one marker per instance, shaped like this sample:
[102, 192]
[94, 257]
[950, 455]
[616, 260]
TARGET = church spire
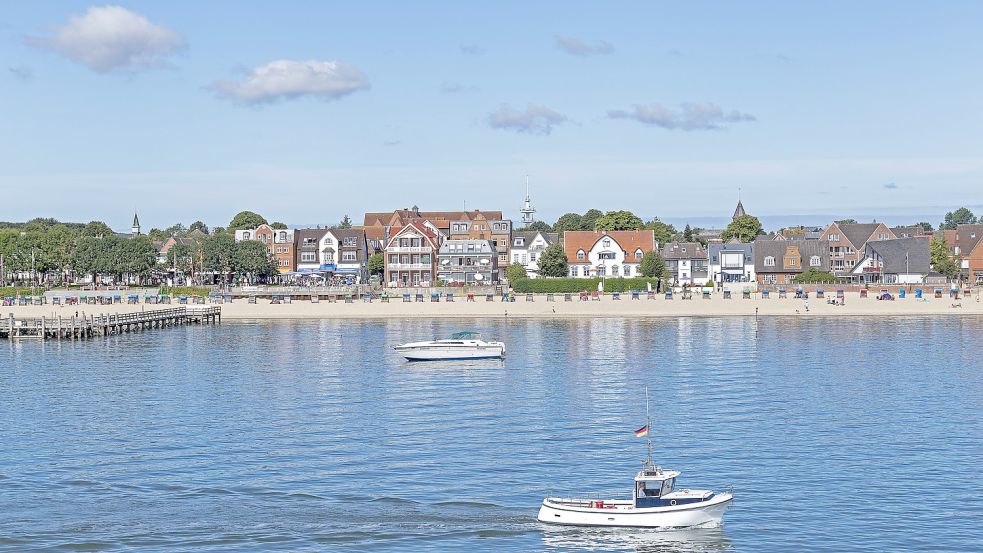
[135, 229]
[739, 212]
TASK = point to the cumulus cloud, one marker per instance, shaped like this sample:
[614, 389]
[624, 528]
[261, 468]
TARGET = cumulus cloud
[690, 117]
[577, 47]
[533, 120]
[22, 72]
[891, 186]
[450, 87]
[289, 79]
[108, 38]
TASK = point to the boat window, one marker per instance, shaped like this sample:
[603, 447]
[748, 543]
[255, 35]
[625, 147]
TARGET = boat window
[667, 485]
[644, 491]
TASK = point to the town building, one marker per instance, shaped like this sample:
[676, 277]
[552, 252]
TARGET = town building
[900, 261]
[799, 233]
[310, 258]
[613, 253]
[847, 242]
[969, 252]
[377, 223]
[279, 242]
[496, 231]
[411, 255]
[528, 245]
[911, 231]
[780, 261]
[164, 247]
[528, 211]
[686, 263]
[467, 261]
[333, 252]
[731, 262]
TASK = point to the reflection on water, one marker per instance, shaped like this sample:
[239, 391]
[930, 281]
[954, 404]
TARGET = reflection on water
[316, 435]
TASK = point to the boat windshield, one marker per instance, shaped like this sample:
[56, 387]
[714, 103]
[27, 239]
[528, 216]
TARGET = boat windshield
[466, 336]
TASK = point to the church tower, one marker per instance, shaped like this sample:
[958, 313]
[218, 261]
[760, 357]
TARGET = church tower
[135, 229]
[528, 211]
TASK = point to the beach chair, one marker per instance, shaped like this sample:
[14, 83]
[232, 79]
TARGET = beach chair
[132, 299]
[274, 300]
[616, 296]
[706, 294]
[746, 293]
[567, 297]
[469, 297]
[918, 293]
[434, 297]
[901, 293]
[489, 297]
[782, 293]
[651, 295]
[595, 296]
[529, 297]
[419, 297]
[583, 296]
[727, 294]
[798, 294]
[166, 298]
[406, 298]
[200, 300]
[449, 296]
[367, 297]
[56, 300]
[349, 298]
[668, 294]
[183, 300]
[384, 298]
[863, 293]
[635, 294]
[687, 295]
[549, 297]
[117, 298]
[315, 298]
[332, 298]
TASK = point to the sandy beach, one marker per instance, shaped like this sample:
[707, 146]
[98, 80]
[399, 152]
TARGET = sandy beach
[540, 308]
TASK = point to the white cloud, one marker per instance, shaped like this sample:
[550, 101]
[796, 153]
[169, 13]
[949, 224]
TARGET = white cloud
[690, 117]
[289, 79]
[108, 38]
[533, 120]
[577, 47]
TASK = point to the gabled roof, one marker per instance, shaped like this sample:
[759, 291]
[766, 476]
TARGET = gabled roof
[629, 240]
[418, 226]
[440, 219]
[764, 247]
[739, 211]
[893, 253]
[481, 246]
[683, 250]
[529, 236]
[858, 233]
[968, 237]
[315, 233]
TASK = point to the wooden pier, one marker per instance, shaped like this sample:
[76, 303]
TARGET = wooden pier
[80, 328]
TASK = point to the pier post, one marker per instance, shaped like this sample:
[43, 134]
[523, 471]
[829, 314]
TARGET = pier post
[10, 333]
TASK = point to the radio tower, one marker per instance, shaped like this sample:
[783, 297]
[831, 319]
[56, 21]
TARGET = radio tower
[528, 211]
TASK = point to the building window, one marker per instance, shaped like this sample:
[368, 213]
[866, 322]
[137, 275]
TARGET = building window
[581, 255]
[307, 256]
[814, 261]
[246, 235]
[518, 242]
[769, 261]
[607, 242]
[350, 241]
[602, 270]
[349, 256]
[627, 270]
[614, 270]
[532, 257]
[638, 253]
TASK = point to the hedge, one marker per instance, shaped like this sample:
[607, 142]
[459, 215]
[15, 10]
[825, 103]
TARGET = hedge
[8, 291]
[571, 285]
[184, 291]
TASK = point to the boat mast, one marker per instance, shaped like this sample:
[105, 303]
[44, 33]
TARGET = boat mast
[648, 428]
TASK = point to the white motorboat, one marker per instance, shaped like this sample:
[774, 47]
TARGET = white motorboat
[463, 345]
[656, 502]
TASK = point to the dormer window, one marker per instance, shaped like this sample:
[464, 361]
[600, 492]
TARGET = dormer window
[769, 261]
[519, 242]
[581, 254]
[814, 261]
[638, 253]
[246, 236]
[607, 242]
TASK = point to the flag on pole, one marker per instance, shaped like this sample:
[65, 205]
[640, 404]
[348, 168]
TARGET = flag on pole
[642, 432]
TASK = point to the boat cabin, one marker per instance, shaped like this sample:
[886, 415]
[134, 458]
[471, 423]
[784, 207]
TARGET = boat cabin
[655, 487]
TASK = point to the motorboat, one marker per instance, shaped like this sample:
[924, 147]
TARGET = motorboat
[656, 502]
[463, 345]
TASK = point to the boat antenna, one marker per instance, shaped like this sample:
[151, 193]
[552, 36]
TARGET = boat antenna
[648, 433]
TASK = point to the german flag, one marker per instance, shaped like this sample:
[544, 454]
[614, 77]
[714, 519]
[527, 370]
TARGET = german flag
[642, 432]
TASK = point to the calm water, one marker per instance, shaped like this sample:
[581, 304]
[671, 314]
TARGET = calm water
[846, 435]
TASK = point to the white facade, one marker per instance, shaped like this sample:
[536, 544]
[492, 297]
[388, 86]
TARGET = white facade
[606, 258]
[526, 249]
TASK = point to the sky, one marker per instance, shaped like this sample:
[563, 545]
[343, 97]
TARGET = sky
[307, 111]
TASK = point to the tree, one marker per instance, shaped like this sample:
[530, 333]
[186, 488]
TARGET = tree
[941, 260]
[251, 257]
[541, 226]
[516, 271]
[346, 222]
[652, 265]
[245, 220]
[157, 235]
[97, 229]
[376, 263]
[925, 226]
[846, 222]
[745, 228]
[553, 262]
[663, 231]
[198, 225]
[218, 251]
[815, 276]
[687, 234]
[175, 229]
[961, 216]
[277, 225]
[618, 220]
[567, 221]
[588, 221]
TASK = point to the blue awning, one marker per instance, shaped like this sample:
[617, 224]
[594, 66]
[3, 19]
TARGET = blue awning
[328, 267]
[347, 271]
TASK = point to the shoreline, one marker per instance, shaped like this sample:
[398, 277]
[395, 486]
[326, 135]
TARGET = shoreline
[541, 309]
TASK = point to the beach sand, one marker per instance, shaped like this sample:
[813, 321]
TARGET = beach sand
[540, 308]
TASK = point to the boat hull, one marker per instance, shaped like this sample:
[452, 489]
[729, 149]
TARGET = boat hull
[451, 353]
[704, 513]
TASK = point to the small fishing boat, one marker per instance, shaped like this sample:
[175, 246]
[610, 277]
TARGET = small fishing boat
[463, 345]
[656, 502]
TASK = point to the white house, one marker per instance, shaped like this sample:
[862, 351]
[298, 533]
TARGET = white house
[528, 246]
[732, 262]
[687, 263]
[616, 253]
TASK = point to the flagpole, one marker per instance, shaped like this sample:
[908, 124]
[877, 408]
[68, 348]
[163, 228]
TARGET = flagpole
[648, 427]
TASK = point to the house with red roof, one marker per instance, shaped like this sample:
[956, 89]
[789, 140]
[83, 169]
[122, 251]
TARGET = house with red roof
[614, 253]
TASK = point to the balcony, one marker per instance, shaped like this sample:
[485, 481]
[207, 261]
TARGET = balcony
[408, 266]
[409, 249]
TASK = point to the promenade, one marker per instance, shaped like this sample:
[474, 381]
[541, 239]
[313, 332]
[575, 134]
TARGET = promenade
[717, 306]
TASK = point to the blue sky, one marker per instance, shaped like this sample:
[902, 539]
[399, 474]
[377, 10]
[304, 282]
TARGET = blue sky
[307, 111]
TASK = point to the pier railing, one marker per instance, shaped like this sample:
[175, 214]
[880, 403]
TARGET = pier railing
[58, 327]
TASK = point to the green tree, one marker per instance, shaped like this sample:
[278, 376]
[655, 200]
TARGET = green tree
[687, 233]
[176, 229]
[588, 221]
[618, 220]
[940, 258]
[97, 229]
[157, 235]
[846, 222]
[745, 228]
[218, 252]
[652, 265]
[961, 216]
[553, 262]
[245, 220]
[515, 271]
[251, 258]
[664, 232]
[925, 226]
[541, 226]
[277, 225]
[346, 222]
[376, 264]
[198, 225]
[567, 221]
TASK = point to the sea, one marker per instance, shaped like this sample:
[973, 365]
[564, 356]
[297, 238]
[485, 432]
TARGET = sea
[835, 434]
